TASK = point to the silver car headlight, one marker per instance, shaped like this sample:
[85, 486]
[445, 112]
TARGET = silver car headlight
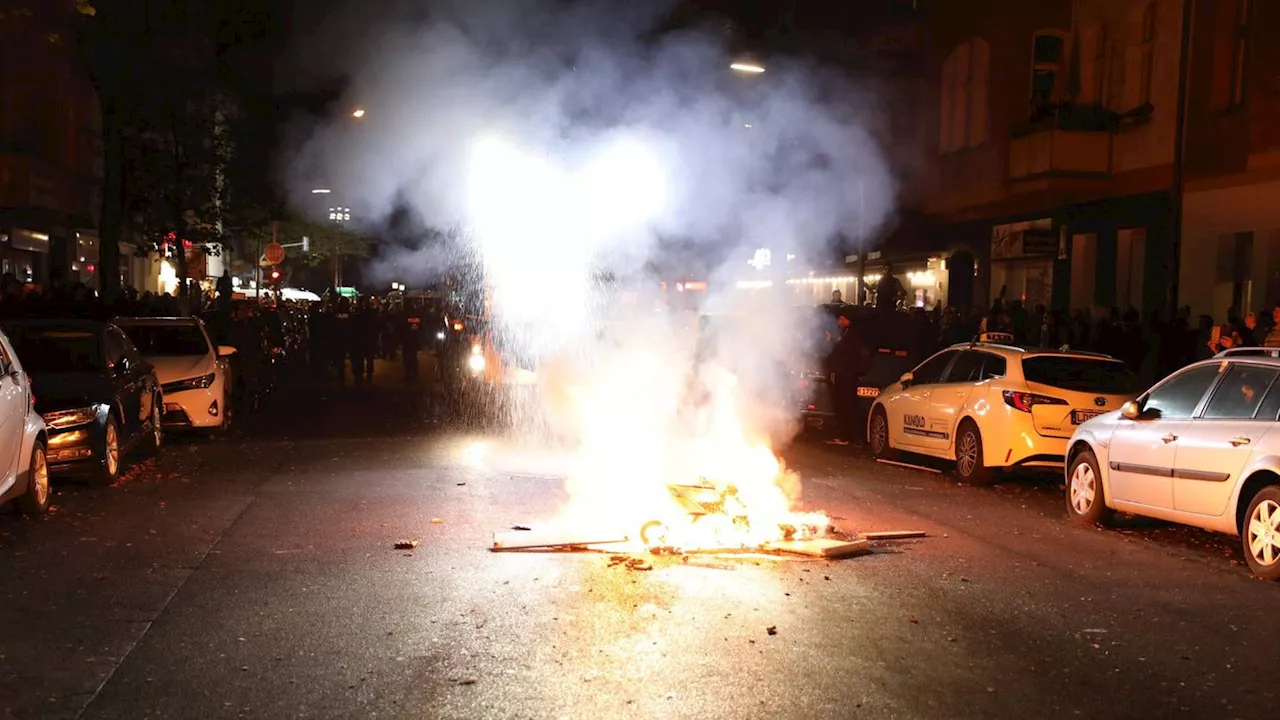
[70, 418]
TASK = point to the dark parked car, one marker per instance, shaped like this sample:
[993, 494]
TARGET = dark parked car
[97, 395]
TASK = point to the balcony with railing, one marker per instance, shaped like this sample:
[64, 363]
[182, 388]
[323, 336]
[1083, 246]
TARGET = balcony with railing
[1063, 141]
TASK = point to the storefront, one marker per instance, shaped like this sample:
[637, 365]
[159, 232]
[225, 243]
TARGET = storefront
[25, 254]
[1022, 262]
[1231, 249]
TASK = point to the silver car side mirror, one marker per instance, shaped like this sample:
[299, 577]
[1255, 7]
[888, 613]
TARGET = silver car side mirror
[1131, 410]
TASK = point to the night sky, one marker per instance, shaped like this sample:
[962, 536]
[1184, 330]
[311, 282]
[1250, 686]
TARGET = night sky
[293, 56]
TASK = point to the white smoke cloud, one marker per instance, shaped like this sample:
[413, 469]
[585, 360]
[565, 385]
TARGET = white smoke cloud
[512, 121]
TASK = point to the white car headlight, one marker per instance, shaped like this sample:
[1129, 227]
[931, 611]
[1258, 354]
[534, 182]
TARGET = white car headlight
[70, 418]
[196, 383]
[476, 363]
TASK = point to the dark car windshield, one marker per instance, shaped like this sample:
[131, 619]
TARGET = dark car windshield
[57, 351]
[167, 340]
[1080, 374]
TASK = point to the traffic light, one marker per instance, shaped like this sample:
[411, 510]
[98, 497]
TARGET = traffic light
[274, 276]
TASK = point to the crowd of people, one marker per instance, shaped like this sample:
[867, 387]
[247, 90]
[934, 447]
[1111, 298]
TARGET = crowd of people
[1151, 347]
[338, 337]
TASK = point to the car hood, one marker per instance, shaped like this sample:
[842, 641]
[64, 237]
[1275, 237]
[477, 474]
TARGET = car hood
[69, 391]
[181, 367]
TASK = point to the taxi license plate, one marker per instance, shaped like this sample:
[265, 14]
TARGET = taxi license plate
[1079, 416]
[868, 392]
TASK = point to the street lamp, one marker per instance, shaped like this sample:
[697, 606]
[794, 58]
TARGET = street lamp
[357, 113]
[321, 191]
[749, 68]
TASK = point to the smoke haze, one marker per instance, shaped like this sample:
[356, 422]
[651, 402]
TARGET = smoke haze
[566, 140]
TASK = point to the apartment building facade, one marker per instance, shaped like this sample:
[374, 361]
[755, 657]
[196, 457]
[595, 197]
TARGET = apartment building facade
[1230, 255]
[50, 151]
[1054, 144]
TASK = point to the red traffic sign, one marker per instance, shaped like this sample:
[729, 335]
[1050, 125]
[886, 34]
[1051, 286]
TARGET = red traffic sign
[274, 253]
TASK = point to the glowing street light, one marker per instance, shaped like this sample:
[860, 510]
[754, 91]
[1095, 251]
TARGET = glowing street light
[747, 67]
[358, 113]
[321, 191]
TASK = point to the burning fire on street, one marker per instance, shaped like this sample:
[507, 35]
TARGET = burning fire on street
[676, 477]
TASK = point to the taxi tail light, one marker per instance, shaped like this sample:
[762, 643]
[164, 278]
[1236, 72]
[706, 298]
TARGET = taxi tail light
[1024, 401]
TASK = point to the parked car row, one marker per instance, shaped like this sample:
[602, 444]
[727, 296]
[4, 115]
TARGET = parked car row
[79, 396]
[1199, 448]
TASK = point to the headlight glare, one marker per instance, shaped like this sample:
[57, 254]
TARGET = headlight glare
[70, 418]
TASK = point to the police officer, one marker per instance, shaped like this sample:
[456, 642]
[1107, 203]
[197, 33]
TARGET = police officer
[364, 341]
[341, 338]
[411, 342]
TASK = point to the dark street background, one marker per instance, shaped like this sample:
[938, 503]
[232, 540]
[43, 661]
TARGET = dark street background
[254, 576]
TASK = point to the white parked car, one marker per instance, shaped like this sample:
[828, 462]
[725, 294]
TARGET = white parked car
[1200, 448]
[990, 404]
[24, 467]
[193, 372]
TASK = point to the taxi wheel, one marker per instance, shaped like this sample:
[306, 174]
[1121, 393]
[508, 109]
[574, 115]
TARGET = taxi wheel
[1260, 534]
[970, 461]
[1086, 502]
[878, 434]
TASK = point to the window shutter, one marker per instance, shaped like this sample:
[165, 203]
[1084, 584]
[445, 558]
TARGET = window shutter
[1102, 67]
[1133, 59]
[945, 134]
[1090, 37]
[979, 82]
[960, 101]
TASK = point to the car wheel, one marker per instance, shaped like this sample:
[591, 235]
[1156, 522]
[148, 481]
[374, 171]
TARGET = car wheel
[1261, 533]
[878, 434]
[1086, 502]
[970, 461]
[155, 439]
[109, 465]
[38, 495]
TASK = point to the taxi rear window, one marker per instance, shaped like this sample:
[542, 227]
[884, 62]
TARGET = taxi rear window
[1079, 374]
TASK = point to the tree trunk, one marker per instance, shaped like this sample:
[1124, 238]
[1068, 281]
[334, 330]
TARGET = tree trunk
[111, 222]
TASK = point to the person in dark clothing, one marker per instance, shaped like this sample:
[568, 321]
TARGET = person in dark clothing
[846, 365]
[410, 343]
[342, 339]
[889, 290]
[364, 342]
[226, 289]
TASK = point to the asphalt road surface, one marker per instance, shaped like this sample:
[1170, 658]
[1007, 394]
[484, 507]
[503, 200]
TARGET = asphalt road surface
[254, 576]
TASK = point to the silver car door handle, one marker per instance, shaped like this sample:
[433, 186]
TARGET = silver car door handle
[1170, 437]
[1241, 440]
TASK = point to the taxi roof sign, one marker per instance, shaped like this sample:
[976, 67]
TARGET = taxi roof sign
[995, 337]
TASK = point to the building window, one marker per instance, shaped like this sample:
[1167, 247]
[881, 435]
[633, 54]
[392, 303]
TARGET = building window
[1093, 65]
[1140, 56]
[1240, 53]
[1048, 71]
[966, 77]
